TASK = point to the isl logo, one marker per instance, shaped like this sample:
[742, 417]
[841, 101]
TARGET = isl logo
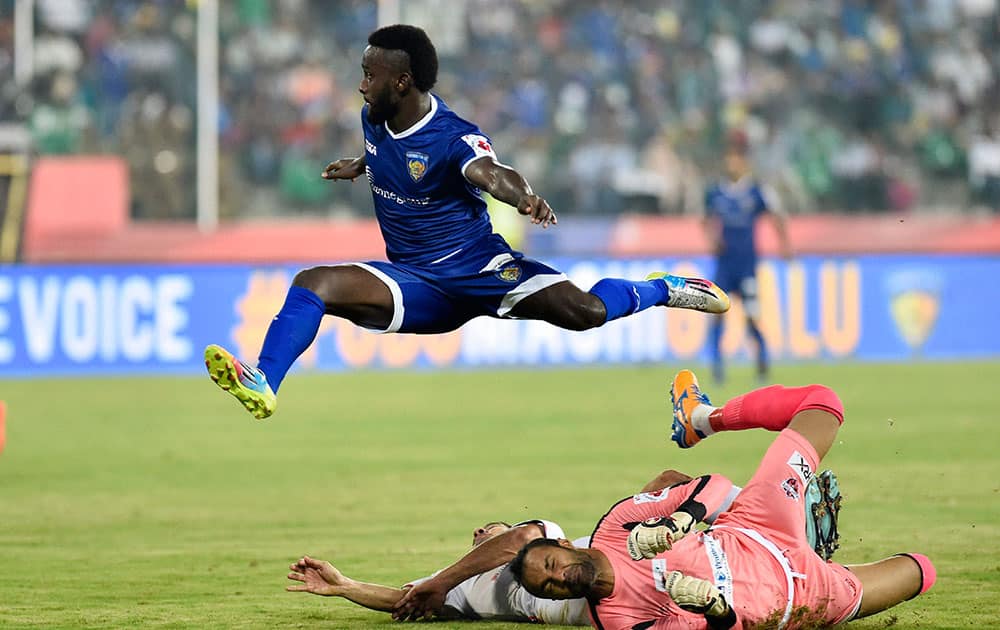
[914, 301]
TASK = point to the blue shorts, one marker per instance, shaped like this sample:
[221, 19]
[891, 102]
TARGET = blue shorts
[740, 280]
[488, 278]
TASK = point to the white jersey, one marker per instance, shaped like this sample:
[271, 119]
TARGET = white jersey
[496, 595]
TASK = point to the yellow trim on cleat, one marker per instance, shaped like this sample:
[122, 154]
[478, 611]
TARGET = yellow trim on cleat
[696, 294]
[221, 366]
[685, 396]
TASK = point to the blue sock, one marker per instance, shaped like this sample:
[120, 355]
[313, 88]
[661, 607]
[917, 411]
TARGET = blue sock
[715, 347]
[761, 346]
[625, 297]
[290, 333]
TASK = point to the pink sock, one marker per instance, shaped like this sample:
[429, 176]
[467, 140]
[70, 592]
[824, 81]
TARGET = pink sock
[928, 574]
[773, 407]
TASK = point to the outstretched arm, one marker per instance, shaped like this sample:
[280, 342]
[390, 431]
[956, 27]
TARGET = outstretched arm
[322, 578]
[507, 185]
[424, 598]
[345, 168]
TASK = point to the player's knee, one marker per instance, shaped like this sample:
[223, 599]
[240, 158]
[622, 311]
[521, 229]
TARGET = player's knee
[319, 281]
[825, 399]
[584, 315]
[928, 573]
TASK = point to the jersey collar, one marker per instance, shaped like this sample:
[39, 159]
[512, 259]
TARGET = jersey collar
[740, 185]
[417, 126]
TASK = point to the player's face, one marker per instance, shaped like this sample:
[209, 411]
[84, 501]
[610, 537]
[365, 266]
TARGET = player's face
[487, 531]
[736, 164]
[558, 572]
[377, 82]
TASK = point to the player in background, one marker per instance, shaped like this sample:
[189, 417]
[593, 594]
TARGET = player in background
[426, 167]
[732, 207]
[647, 568]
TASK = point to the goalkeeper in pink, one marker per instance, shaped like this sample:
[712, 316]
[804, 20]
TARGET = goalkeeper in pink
[647, 566]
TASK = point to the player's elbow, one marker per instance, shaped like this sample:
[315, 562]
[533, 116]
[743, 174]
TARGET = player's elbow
[524, 534]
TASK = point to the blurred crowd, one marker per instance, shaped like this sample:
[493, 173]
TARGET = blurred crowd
[607, 106]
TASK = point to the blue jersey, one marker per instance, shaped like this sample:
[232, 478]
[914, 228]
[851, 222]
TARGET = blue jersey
[736, 206]
[425, 207]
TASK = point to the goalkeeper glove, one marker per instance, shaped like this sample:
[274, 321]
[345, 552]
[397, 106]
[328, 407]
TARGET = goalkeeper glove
[696, 595]
[655, 535]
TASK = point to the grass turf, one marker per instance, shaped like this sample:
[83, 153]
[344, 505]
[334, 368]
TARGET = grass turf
[160, 503]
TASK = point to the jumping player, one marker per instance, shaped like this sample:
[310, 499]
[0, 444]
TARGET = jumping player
[427, 167]
[646, 568]
[732, 208]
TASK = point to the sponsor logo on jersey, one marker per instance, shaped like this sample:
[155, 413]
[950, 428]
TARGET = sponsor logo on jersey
[722, 575]
[371, 148]
[791, 488]
[651, 497]
[510, 273]
[480, 145]
[659, 567]
[416, 164]
[799, 464]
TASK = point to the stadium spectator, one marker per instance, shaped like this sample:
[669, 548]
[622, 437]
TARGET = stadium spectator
[904, 75]
[645, 566]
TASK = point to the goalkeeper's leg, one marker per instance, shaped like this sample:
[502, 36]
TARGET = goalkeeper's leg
[892, 581]
[813, 411]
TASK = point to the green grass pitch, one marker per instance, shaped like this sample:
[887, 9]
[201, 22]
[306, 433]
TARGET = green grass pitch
[160, 503]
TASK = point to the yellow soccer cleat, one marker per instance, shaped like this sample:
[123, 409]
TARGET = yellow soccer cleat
[696, 294]
[686, 396]
[247, 384]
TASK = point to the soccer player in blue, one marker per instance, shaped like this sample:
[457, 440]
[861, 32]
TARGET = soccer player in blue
[426, 167]
[732, 208]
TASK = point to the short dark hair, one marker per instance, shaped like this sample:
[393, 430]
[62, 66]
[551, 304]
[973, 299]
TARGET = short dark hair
[413, 41]
[517, 564]
[492, 523]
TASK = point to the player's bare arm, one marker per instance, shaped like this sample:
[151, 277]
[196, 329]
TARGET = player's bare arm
[345, 168]
[781, 227]
[322, 578]
[713, 233]
[665, 479]
[425, 598]
[507, 185]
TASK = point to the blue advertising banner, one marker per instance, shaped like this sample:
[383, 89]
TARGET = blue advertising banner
[157, 319]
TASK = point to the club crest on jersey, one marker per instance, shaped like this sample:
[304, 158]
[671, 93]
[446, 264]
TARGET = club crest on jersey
[791, 488]
[416, 164]
[510, 273]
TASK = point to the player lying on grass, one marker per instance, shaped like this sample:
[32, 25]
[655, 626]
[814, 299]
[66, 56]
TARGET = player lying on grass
[427, 168]
[490, 594]
[646, 568]
[479, 586]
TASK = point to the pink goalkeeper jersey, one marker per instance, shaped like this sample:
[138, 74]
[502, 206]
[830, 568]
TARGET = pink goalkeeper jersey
[756, 552]
[640, 593]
